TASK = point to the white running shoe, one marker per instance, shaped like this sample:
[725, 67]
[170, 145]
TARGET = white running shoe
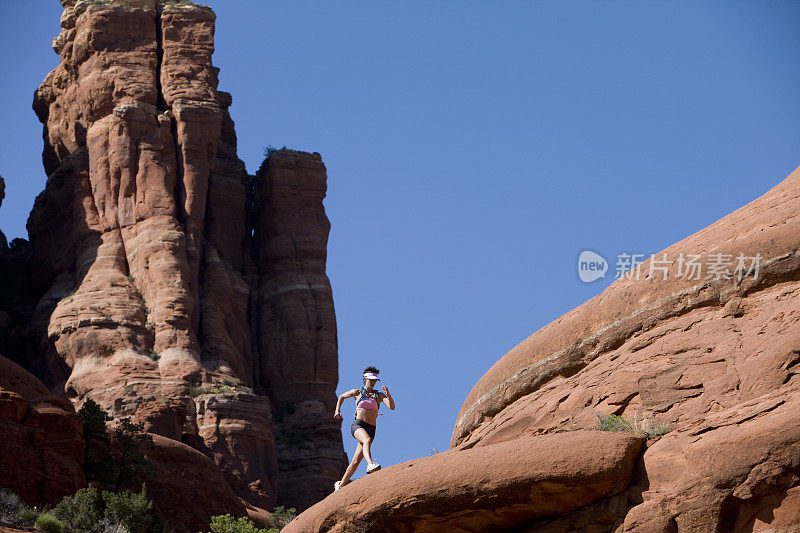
[373, 467]
[337, 486]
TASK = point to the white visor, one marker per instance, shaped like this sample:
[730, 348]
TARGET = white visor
[372, 376]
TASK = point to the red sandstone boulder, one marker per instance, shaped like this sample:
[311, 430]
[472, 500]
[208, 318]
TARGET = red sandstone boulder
[189, 489]
[735, 470]
[495, 487]
[42, 439]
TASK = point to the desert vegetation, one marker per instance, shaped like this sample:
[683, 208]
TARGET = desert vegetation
[642, 426]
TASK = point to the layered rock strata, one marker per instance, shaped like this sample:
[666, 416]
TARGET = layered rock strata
[172, 287]
[296, 316]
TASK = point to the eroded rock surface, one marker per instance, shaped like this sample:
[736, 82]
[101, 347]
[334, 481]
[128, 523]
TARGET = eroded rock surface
[714, 360]
[171, 286]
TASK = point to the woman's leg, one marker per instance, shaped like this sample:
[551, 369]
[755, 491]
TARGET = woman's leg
[351, 468]
[363, 437]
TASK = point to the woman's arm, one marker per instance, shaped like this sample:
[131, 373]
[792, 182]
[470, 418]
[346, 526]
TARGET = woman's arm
[387, 399]
[352, 393]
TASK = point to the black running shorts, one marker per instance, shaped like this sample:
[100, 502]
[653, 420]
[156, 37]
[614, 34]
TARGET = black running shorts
[361, 424]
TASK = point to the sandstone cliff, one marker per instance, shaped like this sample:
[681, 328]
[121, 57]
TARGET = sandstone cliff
[167, 284]
[715, 360]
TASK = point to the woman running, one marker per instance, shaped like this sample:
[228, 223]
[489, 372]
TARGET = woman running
[363, 429]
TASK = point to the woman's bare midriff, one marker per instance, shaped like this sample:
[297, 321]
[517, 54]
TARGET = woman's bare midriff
[367, 415]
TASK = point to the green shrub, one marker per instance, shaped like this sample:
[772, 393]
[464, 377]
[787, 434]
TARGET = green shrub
[134, 511]
[13, 511]
[269, 149]
[126, 461]
[228, 524]
[154, 355]
[100, 465]
[94, 420]
[279, 517]
[220, 389]
[27, 516]
[9, 504]
[612, 422]
[124, 512]
[49, 523]
[130, 440]
[197, 391]
[80, 512]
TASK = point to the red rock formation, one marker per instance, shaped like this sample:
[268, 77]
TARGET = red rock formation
[296, 322]
[155, 253]
[236, 430]
[714, 360]
[42, 457]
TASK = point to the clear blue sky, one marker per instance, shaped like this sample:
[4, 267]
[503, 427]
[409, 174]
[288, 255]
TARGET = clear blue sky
[473, 150]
